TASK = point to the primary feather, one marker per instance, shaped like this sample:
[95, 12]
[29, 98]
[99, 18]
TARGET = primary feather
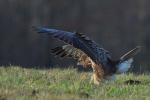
[89, 54]
[70, 51]
[80, 41]
[131, 53]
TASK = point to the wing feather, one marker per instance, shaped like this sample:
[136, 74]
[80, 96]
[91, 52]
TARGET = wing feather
[70, 51]
[79, 41]
[130, 53]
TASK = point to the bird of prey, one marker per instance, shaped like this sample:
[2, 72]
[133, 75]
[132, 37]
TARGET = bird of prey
[89, 54]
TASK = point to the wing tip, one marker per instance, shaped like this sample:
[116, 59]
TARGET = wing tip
[131, 53]
[37, 29]
[139, 48]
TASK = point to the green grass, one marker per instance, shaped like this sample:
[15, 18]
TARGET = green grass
[18, 83]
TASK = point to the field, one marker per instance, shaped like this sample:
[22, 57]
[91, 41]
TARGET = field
[18, 83]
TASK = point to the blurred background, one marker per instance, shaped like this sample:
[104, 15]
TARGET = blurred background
[117, 25]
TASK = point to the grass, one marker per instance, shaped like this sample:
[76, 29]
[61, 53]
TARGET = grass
[18, 83]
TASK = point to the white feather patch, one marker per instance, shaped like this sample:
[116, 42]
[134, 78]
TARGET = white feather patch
[124, 66]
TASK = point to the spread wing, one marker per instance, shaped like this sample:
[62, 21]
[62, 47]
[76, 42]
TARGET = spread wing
[131, 53]
[80, 41]
[70, 51]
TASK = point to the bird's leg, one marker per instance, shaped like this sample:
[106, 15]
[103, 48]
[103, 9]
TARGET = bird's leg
[97, 74]
[95, 78]
[92, 79]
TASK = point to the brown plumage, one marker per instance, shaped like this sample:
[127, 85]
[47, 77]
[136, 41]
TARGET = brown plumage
[89, 54]
[82, 59]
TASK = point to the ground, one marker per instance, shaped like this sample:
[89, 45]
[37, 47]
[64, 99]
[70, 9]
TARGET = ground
[18, 83]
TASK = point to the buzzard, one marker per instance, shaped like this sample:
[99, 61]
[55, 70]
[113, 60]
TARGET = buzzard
[89, 54]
